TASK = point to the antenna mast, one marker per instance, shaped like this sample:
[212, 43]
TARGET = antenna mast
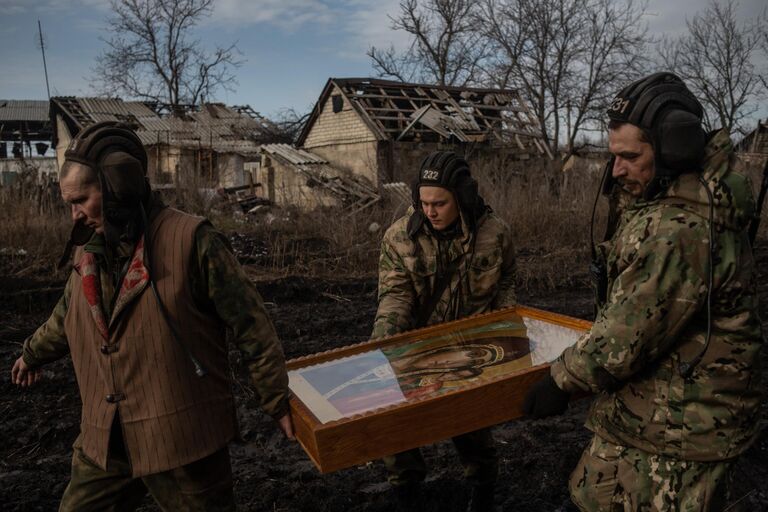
[45, 67]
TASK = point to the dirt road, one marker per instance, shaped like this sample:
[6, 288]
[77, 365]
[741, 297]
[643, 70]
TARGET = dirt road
[38, 425]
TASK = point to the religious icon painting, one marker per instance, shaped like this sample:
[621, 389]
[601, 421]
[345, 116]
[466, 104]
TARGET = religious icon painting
[423, 370]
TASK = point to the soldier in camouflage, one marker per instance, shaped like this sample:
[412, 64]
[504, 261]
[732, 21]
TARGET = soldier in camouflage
[674, 351]
[449, 257]
[105, 168]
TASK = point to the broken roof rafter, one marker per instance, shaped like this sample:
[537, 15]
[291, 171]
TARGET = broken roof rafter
[389, 109]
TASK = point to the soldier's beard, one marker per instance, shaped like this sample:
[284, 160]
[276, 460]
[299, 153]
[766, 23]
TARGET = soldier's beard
[632, 187]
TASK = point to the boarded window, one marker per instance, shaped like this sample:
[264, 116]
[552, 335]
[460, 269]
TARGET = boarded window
[338, 103]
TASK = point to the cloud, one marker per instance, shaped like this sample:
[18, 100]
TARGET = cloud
[286, 14]
[668, 18]
[369, 24]
[16, 7]
[9, 30]
[356, 24]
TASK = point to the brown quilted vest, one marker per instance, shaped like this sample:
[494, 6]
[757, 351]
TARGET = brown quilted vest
[169, 416]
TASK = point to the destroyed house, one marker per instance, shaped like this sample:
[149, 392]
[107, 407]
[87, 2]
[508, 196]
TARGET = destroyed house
[380, 129]
[25, 138]
[210, 145]
[294, 177]
[756, 141]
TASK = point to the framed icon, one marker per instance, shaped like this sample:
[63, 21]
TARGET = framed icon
[361, 402]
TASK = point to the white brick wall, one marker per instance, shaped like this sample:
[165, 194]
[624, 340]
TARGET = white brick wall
[344, 127]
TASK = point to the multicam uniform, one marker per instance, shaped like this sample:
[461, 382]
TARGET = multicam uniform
[219, 287]
[663, 441]
[408, 269]
[483, 281]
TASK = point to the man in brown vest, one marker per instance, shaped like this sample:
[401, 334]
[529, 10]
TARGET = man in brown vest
[144, 315]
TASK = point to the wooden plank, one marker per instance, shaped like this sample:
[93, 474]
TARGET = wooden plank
[387, 109]
[404, 95]
[415, 117]
[414, 98]
[387, 118]
[360, 440]
[375, 128]
[495, 108]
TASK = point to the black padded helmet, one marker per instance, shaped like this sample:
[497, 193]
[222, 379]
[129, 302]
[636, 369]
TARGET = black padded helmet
[447, 170]
[663, 106]
[117, 156]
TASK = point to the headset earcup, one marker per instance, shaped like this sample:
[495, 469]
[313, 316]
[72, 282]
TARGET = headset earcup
[466, 194]
[680, 140]
[415, 194]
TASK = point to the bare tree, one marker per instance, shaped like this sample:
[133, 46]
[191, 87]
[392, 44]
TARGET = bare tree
[288, 123]
[716, 58]
[613, 51]
[569, 56]
[151, 55]
[446, 47]
[762, 28]
[536, 41]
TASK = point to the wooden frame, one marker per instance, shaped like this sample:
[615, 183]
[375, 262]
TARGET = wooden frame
[336, 437]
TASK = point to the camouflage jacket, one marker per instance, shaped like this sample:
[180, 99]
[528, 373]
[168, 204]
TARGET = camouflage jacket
[655, 318]
[484, 279]
[220, 287]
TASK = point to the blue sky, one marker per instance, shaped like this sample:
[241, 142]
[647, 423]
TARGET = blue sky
[290, 47]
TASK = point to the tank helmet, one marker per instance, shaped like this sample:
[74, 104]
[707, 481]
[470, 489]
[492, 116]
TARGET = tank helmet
[447, 170]
[115, 153]
[664, 107]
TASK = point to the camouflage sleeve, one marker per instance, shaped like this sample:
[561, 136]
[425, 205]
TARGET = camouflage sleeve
[506, 295]
[396, 294]
[49, 342]
[649, 304]
[224, 286]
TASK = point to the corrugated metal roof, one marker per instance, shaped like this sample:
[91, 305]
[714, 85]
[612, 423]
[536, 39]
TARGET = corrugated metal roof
[215, 126]
[294, 155]
[24, 110]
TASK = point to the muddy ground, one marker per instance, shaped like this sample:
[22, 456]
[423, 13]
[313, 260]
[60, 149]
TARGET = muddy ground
[38, 425]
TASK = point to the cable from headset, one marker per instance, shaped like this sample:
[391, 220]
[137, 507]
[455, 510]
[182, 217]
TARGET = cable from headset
[686, 368]
[606, 170]
[597, 268]
[199, 369]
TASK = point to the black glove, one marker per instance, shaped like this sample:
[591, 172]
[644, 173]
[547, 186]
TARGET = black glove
[545, 399]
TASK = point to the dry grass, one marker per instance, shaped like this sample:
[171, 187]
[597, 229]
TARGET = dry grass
[34, 226]
[324, 243]
[548, 211]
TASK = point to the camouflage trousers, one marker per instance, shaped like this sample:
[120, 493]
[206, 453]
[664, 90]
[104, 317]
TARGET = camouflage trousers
[477, 452]
[613, 478]
[203, 485]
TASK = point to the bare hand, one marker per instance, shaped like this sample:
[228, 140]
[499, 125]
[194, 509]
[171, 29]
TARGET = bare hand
[22, 375]
[286, 425]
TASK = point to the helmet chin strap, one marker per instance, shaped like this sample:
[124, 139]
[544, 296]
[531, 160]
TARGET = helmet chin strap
[79, 235]
[121, 226]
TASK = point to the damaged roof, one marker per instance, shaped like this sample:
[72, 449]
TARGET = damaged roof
[355, 191]
[421, 112]
[755, 141]
[24, 110]
[24, 120]
[224, 129]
